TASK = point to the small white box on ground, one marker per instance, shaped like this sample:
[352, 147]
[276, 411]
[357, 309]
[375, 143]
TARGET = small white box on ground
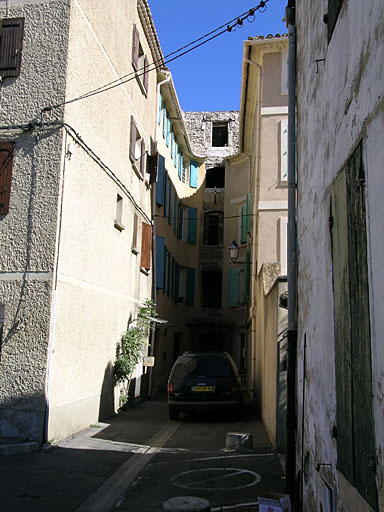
[274, 502]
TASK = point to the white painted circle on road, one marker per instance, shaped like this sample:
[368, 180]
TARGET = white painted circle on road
[216, 479]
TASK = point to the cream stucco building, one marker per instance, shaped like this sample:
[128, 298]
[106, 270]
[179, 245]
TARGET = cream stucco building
[78, 119]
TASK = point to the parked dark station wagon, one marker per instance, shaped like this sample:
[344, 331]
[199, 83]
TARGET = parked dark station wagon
[204, 381]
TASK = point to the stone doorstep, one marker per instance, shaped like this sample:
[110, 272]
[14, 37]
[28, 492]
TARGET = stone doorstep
[19, 448]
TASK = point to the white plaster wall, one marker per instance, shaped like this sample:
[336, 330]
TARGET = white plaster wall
[338, 106]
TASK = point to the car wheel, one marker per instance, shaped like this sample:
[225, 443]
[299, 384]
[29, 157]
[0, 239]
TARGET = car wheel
[173, 415]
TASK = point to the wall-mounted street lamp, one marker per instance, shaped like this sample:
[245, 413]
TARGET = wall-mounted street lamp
[233, 251]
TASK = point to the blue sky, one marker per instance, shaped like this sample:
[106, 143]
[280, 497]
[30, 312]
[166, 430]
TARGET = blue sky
[209, 77]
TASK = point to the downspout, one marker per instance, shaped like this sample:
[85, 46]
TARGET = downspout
[254, 224]
[154, 290]
[291, 255]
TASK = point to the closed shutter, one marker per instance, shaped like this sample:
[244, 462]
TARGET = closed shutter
[175, 155]
[180, 221]
[165, 270]
[174, 211]
[248, 213]
[132, 141]
[193, 176]
[177, 283]
[159, 261]
[170, 202]
[284, 150]
[160, 181]
[192, 222]
[180, 163]
[166, 195]
[134, 234]
[247, 268]
[165, 115]
[135, 48]
[11, 46]
[243, 237]
[146, 75]
[169, 269]
[146, 234]
[234, 277]
[168, 130]
[190, 298]
[160, 105]
[142, 157]
[172, 278]
[172, 142]
[6, 165]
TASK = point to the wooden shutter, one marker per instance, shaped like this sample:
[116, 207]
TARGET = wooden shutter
[169, 261]
[175, 155]
[11, 45]
[172, 142]
[193, 175]
[168, 130]
[243, 237]
[166, 195]
[146, 234]
[134, 234]
[146, 75]
[190, 295]
[135, 48]
[165, 114]
[170, 203]
[160, 105]
[174, 211]
[180, 221]
[192, 222]
[284, 150]
[132, 141]
[248, 213]
[247, 268]
[177, 283]
[234, 276]
[160, 181]
[355, 428]
[6, 165]
[165, 269]
[142, 157]
[172, 278]
[159, 261]
[180, 163]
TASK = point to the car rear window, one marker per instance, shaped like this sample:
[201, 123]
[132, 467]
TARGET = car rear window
[206, 366]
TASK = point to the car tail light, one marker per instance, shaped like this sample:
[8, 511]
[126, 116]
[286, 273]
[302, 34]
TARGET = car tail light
[170, 388]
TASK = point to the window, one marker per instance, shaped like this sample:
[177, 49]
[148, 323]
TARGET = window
[211, 290]
[284, 73]
[11, 45]
[119, 213]
[184, 285]
[160, 252]
[194, 174]
[246, 215]
[139, 61]
[355, 428]
[192, 224]
[220, 134]
[6, 164]
[160, 180]
[284, 151]
[234, 280]
[134, 234]
[137, 149]
[334, 7]
[215, 177]
[146, 234]
[213, 228]
[185, 171]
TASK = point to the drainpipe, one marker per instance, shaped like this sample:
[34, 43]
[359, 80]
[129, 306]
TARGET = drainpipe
[154, 291]
[254, 225]
[291, 255]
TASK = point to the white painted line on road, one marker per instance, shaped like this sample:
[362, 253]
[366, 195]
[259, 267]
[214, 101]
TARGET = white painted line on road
[114, 488]
[225, 473]
[199, 459]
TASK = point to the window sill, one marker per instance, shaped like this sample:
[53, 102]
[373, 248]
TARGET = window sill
[118, 225]
[144, 271]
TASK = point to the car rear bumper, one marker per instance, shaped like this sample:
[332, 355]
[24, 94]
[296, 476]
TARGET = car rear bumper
[203, 406]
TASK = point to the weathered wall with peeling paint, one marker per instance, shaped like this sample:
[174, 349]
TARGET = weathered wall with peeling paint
[340, 103]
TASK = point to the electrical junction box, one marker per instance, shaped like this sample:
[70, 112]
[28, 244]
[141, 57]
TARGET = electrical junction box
[148, 361]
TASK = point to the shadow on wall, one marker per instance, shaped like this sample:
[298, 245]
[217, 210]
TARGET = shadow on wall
[107, 394]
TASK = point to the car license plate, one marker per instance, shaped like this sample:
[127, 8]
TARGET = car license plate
[202, 388]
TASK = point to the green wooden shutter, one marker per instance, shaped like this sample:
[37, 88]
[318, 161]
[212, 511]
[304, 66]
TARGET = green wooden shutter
[243, 238]
[193, 175]
[160, 181]
[248, 213]
[159, 261]
[234, 278]
[356, 456]
[247, 281]
[192, 223]
[190, 298]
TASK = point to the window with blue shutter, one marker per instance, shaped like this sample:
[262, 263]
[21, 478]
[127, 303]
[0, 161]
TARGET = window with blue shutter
[160, 181]
[193, 175]
[177, 283]
[159, 261]
[175, 155]
[168, 130]
[190, 297]
[172, 137]
[175, 212]
[160, 107]
[169, 267]
[180, 221]
[164, 118]
[192, 222]
[170, 203]
[180, 164]
[165, 193]
[234, 279]
[165, 269]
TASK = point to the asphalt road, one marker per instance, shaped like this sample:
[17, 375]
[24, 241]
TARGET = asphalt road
[138, 460]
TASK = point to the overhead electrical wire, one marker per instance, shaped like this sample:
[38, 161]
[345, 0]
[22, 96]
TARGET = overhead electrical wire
[229, 27]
